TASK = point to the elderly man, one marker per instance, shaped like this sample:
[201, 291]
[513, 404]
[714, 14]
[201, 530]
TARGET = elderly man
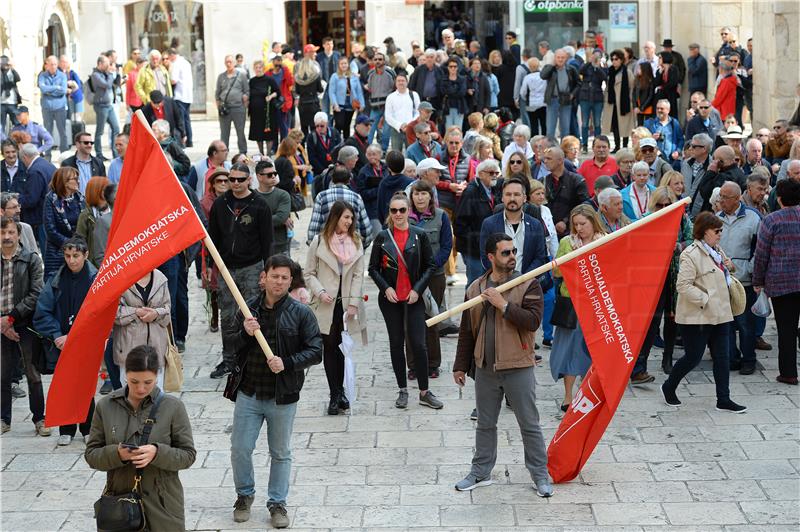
[172, 147]
[367, 183]
[39, 135]
[753, 160]
[706, 120]
[600, 164]
[425, 79]
[103, 84]
[562, 79]
[756, 193]
[777, 147]
[322, 143]
[424, 147]
[547, 56]
[52, 84]
[723, 168]
[477, 203]
[232, 94]
[165, 108]
[697, 67]
[649, 56]
[427, 170]
[347, 158]
[359, 140]
[650, 154]
[153, 76]
[740, 226]
[216, 156]
[667, 132]
[610, 202]
[564, 190]
[425, 110]
[448, 40]
[694, 169]
[9, 208]
[115, 168]
[32, 192]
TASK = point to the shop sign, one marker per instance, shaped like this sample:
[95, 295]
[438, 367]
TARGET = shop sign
[553, 6]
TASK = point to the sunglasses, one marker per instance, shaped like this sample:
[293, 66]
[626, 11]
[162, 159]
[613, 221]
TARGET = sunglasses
[238, 179]
[491, 172]
[87, 142]
[507, 252]
[662, 205]
[401, 210]
[698, 146]
[220, 181]
[515, 162]
[703, 106]
[268, 174]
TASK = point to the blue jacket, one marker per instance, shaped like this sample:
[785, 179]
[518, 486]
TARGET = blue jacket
[46, 319]
[677, 136]
[534, 252]
[54, 90]
[415, 153]
[337, 90]
[34, 189]
[327, 65]
[389, 185]
[627, 205]
[60, 221]
[368, 186]
[77, 94]
[698, 73]
[40, 137]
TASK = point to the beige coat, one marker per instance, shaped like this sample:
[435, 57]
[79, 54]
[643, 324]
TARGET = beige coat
[130, 331]
[703, 296]
[322, 273]
[626, 122]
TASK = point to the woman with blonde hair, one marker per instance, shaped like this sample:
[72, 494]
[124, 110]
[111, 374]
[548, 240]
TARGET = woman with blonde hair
[300, 164]
[569, 357]
[637, 134]
[334, 274]
[482, 151]
[490, 123]
[674, 182]
[517, 164]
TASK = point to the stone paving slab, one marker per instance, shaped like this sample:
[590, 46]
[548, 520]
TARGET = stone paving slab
[657, 468]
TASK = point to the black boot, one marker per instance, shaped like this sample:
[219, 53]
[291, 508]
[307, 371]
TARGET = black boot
[344, 404]
[666, 364]
[213, 326]
[333, 405]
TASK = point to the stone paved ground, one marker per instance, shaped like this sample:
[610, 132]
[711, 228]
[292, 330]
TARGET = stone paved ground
[656, 468]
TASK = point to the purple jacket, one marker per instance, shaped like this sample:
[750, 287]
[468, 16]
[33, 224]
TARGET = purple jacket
[777, 258]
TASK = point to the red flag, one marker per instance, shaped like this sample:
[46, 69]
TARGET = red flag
[153, 221]
[615, 288]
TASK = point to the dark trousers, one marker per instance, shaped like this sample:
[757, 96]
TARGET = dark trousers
[332, 357]
[8, 111]
[401, 318]
[341, 120]
[787, 314]
[307, 112]
[695, 339]
[538, 120]
[745, 325]
[111, 366]
[187, 121]
[670, 330]
[437, 285]
[85, 426]
[170, 271]
[12, 352]
[181, 316]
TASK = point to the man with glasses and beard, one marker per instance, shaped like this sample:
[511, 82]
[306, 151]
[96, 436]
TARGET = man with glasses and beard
[240, 224]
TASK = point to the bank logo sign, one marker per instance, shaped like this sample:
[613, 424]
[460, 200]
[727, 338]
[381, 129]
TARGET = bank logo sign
[553, 6]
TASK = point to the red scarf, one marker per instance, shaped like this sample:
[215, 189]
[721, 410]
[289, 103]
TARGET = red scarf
[453, 164]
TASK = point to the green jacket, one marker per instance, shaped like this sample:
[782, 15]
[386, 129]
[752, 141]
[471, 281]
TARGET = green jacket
[280, 203]
[114, 422]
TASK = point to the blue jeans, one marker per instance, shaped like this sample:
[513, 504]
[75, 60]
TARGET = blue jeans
[187, 120]
[111, 366]
[596, 111]
[181, 319]
[170, 271]
[474, 267]
[695, 339]
[105, 114]
[375, 115]
[453, 118]
[549, 299]
[746, 325]
[248, 416]
[573, 120]
[558, 114]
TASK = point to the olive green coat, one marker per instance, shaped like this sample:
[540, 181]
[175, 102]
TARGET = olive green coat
[114, 422]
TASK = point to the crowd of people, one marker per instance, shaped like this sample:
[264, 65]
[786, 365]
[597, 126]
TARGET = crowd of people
[404, 163]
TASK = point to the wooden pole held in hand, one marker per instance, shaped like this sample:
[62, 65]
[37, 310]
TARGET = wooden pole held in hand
[477, 300]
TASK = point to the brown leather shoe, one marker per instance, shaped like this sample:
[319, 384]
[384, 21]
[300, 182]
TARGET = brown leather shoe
[763, 345]
[787, 380]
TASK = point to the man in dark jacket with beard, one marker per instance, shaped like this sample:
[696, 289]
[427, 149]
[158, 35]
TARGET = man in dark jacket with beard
[270, 389]
[240, 225]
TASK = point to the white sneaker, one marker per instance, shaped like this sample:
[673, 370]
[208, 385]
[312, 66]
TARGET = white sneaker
[64, 440]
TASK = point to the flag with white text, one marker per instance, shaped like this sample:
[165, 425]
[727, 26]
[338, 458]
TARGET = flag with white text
[153, 221]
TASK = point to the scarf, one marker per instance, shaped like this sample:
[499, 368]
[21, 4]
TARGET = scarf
[343, 248]
[73, 288]
[717, 258]
[420, 216]
[625, 97]
[576, 242]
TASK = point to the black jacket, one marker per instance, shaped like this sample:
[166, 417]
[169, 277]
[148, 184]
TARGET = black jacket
[18, 183]
[473, 208]
[172, 114]
[180, 161]
[549, 74]
[417, 83]
[318, 157]
[28, 274]
[454, 94]
[568, 194]
[715, 179]
[480, 95]
[591, 83]
[360, 143]
[308, 95]
[243, 239]
[417, 253]
[285, 174]
[299, 347]
[98, 168]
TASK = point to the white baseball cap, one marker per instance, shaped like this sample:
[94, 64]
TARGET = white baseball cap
[430, 163]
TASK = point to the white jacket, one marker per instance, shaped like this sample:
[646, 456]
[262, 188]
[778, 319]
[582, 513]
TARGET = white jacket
[401, 108]
[532, 91]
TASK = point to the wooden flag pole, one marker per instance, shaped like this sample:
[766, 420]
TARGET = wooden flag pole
[223, 270]
[458, 309]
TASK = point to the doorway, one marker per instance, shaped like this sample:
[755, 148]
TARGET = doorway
[309, 21]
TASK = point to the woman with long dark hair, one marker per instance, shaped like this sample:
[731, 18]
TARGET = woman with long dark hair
[644, 90]
[334, 275]
[618, 114]
[401, 265]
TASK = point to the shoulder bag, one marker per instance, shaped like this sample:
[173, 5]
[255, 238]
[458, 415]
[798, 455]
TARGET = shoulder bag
[173, 365]
[223, 108]
[738, 296]
[563, 311]
[125, 512]
[431, 307]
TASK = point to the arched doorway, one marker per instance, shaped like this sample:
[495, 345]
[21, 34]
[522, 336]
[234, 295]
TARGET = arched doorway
[56, 41]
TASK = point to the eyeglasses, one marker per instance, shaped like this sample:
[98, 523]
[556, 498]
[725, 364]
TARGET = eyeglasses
[268, 174]
[662, 205]
[452, 66]
[216, 181]
[491, 172]
[515, 161]
[87, 142]
[698, 146]
[507, 252]
[401, 210]
[238, 179]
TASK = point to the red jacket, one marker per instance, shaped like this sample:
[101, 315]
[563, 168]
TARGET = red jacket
[725, 99]
[286, 89]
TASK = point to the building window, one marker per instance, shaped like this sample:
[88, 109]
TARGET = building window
[309, 21]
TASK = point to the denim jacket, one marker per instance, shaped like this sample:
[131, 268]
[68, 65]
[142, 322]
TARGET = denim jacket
[54, 90]
[337, 90]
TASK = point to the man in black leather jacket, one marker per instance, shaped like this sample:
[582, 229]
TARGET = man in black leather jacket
[268, 390]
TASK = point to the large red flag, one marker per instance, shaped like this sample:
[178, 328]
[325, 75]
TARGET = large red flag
[153, 221]
[615, 288]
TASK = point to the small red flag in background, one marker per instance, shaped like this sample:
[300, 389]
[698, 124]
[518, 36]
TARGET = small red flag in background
[153, 221]
[615, 288]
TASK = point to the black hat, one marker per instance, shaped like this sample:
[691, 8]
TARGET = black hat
[21, 109]
[667, 43]
[156, 96]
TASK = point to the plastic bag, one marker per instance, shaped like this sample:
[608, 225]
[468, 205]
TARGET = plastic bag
[349, 367]
[761, 307]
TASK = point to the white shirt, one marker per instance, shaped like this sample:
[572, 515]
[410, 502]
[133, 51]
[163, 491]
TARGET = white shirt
[12, 170]
[401, 108]
[181, 73]
[511, 149]
[552, 238]
[518, 237]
